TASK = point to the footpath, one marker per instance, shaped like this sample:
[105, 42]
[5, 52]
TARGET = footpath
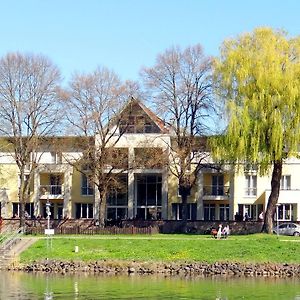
[11, 257]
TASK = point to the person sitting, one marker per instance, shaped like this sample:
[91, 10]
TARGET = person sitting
[225, 232]
[214, 232]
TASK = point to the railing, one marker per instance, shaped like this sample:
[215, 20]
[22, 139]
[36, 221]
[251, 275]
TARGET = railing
[51, 189]
[95, 230]
[11, 239]
[216, 190]
[5, 233]
[250, 192]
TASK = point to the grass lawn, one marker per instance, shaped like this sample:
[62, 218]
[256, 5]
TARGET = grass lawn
[248, 248]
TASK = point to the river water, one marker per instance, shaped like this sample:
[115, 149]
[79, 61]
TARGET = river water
[40, 286]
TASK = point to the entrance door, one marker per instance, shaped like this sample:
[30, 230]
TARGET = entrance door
[148, 196]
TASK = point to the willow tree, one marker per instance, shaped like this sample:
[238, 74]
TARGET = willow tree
[258, 76]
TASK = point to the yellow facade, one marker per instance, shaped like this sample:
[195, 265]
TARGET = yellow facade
[220, 192]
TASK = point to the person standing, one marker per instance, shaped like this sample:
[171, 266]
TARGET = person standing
[219, 234]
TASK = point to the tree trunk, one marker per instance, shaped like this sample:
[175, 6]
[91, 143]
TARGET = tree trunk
[184, 197]
[273, 198]
[22, 200]
[184, 193]
[22, 212]
[102, 213]
[102, 208]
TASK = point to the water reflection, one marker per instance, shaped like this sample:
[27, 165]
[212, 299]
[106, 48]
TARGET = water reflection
[76, 290]
[48, 292]
[40, 286]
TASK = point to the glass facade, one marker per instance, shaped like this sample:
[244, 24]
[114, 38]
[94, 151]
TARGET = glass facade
[83, 210]
[117, 200]
[177, 211]
[148, 196]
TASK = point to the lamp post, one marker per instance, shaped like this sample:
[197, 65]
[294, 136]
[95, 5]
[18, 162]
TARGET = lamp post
[48, 231]
[48, 212]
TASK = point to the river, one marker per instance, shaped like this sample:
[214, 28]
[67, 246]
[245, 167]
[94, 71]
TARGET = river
[17, 285]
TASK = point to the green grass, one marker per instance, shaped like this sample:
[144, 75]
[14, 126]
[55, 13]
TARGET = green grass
[249, 248]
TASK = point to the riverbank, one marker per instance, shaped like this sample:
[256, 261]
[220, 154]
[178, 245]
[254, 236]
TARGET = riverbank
[252, 255]
[167, 269]
[257, 248]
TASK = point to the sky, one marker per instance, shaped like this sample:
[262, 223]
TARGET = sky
[125, 35]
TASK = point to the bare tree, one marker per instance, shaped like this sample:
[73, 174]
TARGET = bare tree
[94, 102]
[180, 83]
[29, 112]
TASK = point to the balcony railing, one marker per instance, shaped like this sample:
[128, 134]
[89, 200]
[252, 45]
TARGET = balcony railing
[216, 190]
[250, 192]
[51, 189]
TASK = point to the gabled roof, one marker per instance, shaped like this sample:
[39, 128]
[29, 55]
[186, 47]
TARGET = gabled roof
[153, 117]
[158, 121]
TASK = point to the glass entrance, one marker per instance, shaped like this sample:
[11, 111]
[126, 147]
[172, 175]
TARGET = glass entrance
[148, 196]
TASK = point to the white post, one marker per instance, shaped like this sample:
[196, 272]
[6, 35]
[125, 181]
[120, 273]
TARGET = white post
[277, 217]
[48, 211]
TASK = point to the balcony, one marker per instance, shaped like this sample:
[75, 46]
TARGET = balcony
[290, 196]
[51, 191]
[216, 192]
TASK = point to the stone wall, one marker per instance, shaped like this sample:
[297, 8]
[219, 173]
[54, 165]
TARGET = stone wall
[204, 227]
[196, 227]
[174, 268]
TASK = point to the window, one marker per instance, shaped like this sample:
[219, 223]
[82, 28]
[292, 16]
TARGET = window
[29, 209]
[250, 185]
[285, 182]
[251, 210]
[217, 185]
[118, 195]
[86, 186]
[285, 212]
[115, 213]
[177, 211]
[224, 212]
[149, 158]
[138, 124]
[149, 190]
[55, 184]
[117, 200]
[249, 168]
[83, 210]
[149, 196]
[209, 212]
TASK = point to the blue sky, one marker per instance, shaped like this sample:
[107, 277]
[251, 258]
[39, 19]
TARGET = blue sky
[124, 35]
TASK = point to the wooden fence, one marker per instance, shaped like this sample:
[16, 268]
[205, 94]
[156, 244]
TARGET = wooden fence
[95, 230]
